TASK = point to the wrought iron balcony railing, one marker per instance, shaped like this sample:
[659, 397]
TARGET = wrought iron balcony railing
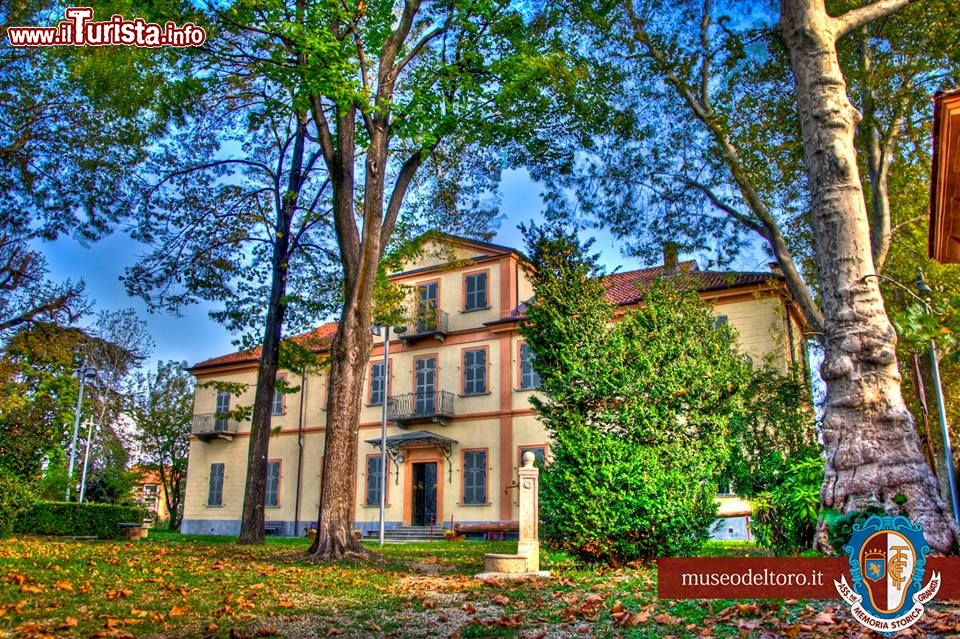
[428, 322]
[436, 406]
[210, 425]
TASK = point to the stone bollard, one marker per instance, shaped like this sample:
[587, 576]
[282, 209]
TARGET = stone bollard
[529, 543]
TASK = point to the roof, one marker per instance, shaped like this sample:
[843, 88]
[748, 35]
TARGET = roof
[318, 339]
[413, 440]
[629, 287]
[623, 289]
[944, 229]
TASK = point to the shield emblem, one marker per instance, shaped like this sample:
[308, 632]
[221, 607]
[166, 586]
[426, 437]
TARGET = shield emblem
[888, 560]
[875, 569]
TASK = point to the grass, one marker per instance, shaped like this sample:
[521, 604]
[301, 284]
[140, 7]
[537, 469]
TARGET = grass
[197, 586]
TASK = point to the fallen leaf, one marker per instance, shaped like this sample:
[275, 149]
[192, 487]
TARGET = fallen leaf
[176, 611]
[825, 618]
[667, 619]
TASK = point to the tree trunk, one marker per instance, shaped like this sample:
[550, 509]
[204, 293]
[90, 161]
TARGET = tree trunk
[350, 353]
[251, 522]
[252, 518]
[873, 452]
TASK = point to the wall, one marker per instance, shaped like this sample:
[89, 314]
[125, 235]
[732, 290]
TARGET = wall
[499, 421]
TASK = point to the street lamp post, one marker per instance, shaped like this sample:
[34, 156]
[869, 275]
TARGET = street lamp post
[86, 458]
[383, 422]
[383, 429]
[82, 372]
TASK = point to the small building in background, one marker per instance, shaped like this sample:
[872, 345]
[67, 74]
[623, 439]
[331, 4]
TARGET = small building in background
[148, 491]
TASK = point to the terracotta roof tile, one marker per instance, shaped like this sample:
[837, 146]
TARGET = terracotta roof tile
[629, 287]
[318, 339]
[622, 289]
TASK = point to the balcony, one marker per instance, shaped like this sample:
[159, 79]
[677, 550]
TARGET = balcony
[210, 426]
[412, 408]
[430, 322]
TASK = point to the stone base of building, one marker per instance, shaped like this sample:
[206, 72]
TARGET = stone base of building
[731, 529]
[724, 529]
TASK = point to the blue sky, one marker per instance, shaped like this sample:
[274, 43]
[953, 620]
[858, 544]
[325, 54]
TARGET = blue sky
[193, 336]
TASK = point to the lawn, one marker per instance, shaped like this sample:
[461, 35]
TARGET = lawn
[188, 586]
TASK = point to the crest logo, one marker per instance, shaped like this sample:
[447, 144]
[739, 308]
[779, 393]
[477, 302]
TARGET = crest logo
[887, 558]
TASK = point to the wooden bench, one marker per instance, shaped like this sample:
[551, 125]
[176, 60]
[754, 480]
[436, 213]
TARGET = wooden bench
[133, 530]
[272, 528]
[496, 530]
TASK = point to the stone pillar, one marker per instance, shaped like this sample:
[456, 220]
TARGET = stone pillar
[529, 543]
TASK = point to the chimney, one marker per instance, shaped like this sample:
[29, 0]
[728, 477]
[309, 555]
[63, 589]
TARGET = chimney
[775, 268]
[670, 252]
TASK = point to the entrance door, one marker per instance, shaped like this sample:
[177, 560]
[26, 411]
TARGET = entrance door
[427, 301]
[425, 494]
[425, 387]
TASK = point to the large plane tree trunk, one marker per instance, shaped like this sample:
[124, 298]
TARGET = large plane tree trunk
[873, 451]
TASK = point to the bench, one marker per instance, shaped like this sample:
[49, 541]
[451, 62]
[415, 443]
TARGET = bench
[272, 528]
[497, 530]
[133, 530]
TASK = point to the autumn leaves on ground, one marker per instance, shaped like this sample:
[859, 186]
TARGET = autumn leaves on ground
[177, 586]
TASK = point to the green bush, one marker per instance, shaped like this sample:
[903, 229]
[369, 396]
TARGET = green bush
[607, 499]
[16, 496]
[785, 518]
[638, 410]
[75, 519]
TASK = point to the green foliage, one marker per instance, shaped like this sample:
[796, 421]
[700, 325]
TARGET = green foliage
[16, 496]
[638, 410]
[161, 407]
[110, 484]
[840, 525]
[775, 428]
[76, 519]
[38, 396]
[785, 517]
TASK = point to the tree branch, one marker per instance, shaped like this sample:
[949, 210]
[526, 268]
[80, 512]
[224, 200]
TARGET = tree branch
[856, 18]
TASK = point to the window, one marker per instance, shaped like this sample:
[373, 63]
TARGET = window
[428, 303]
[475, 477]
[223, 407]
[475, 372]
[374, 480]
[377, 386]
[724, 487]
[215, 496]
[278, 397]
[475, 291]
[529, 378]
[273, 483]
[539, 455]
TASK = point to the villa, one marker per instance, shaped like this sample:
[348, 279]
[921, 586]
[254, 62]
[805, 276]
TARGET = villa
[460, 379]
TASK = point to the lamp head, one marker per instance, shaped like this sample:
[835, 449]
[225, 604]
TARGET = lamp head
[921, 283]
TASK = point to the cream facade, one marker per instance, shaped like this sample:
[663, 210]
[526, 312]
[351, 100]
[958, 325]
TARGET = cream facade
[458, 399]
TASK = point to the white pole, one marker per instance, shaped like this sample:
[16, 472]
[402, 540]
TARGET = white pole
[383, 429]
[86, 457]
[944, 430]
[76, 430]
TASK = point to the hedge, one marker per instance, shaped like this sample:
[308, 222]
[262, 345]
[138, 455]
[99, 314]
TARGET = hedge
[16, 496]
[75, 519]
